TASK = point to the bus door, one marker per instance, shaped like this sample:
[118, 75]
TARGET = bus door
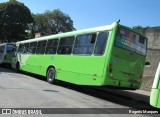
[24, 57]
[21, 55]
[155, 92]
[128, 56]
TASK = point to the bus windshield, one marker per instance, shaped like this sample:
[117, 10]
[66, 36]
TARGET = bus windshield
[10, 47]
[131, 41]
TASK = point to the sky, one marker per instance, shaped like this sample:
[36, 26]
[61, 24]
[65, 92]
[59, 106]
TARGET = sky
[94, 13]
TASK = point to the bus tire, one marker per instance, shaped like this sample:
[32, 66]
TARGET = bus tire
[17, 67]
[51, 75]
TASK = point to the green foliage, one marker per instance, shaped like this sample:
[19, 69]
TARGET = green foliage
[138, 27]
[51, 22]
[14, 20]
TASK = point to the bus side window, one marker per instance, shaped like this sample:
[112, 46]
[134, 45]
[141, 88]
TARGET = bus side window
[65, 45]
[26, 48]
[51, 47]
[101, 43]
[41, 47]
[2, 49]
[32, 47]
[21, 48]
[10, 48]
[84, 44]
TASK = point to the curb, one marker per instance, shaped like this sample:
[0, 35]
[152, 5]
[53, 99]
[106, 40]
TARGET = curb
[137, 94]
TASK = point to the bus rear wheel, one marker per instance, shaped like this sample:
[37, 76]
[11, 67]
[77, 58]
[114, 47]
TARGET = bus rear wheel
[51, 75]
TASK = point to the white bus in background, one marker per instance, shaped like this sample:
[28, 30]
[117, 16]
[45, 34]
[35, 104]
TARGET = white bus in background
[6, 53]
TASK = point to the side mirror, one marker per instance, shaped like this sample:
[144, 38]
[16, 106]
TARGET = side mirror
[147, 63]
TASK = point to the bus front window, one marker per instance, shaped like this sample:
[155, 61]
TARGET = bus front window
[131, 41]
[10, 48]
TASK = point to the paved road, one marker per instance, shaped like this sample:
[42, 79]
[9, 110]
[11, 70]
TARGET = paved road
[30, 91]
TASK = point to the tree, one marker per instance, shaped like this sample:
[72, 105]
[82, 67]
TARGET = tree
[14, 18]
[52, 22]
[137, 27]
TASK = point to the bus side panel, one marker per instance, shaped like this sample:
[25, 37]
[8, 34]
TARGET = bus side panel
[158, 104]
[33, 63]
[86, 70]
[155, 92]
[155, 96]
[83, 70]
[23, 62]
[67, 76]
[43, 62]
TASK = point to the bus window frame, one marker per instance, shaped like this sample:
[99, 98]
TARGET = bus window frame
[35, 47]
[106, 42]
[57, 39]
[45, 40]
[65, 45]
[93, 45]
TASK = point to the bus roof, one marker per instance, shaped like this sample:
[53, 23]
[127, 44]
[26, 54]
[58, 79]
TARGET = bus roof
[72, 33]
[79, 32]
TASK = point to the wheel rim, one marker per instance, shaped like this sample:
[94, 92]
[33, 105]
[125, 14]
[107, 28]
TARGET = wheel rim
[51, 75]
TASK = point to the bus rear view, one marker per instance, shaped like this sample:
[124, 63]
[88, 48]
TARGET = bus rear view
[6, 53]
[127, 59]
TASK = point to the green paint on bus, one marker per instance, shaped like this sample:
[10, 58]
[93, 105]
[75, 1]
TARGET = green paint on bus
[155, 92]
[112, 55]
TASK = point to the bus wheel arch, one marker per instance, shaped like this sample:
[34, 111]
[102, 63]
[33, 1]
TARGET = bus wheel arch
[51, 74]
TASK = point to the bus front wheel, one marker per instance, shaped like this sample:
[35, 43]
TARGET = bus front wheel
[51, 75]
[17, 67]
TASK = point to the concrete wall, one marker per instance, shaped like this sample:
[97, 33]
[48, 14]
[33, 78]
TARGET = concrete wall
[153, 35]
[153, 56]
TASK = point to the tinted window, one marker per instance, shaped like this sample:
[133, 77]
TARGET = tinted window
[41, 47]
[21, 47]
[84, 44]
[131, 41]
[10, 47]
[52, 46]
[26, 48]
[2, 49]
[32, 47]
[101, 43]
[65, 45]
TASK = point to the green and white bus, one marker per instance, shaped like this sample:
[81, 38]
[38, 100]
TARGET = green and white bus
[6, 53]
[112, 55]
[155, 92]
